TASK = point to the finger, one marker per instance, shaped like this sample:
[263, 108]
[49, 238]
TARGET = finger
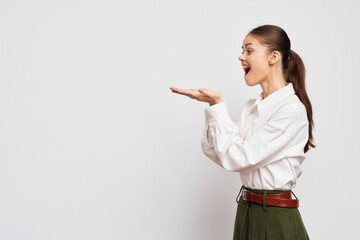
[188, 92]
[176, 90]
[194, 94]
[173, 88]
[182, 91]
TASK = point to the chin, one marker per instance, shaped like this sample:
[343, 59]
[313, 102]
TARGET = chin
[250, 83]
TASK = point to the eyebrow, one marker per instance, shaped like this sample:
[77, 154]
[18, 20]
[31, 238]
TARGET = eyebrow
[247, 44]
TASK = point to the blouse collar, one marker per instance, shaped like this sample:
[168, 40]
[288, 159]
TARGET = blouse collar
[266, 104]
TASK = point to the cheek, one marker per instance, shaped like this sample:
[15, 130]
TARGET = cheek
[261, 67]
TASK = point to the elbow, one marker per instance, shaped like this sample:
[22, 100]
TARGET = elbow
[231, 169]
[236, 161]
[230, 164]
[235, 168]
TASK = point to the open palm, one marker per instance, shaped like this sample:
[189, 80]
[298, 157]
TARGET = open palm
[201, 94]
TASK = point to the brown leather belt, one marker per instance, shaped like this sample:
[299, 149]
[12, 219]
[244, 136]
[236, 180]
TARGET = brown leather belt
[273, 199]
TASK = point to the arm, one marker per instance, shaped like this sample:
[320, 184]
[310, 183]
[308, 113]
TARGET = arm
[225, 147]
[207, 142]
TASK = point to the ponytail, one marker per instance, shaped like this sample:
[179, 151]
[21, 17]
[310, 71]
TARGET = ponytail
[296, 75]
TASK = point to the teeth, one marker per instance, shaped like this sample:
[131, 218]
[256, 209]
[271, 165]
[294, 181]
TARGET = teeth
[246, 67]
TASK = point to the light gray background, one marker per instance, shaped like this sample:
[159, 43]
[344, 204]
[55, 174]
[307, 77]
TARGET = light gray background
[94, 145]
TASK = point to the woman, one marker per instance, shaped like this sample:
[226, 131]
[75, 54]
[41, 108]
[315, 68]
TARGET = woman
[268, 142]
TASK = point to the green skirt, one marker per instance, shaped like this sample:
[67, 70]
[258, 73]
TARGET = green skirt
[263, 222]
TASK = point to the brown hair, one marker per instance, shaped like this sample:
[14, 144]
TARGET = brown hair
[276, 39]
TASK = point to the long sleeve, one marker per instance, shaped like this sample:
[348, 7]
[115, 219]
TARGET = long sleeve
[207, 145]
[216, 111]
[221, 141]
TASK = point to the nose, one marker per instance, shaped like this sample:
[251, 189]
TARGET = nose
[241, 58]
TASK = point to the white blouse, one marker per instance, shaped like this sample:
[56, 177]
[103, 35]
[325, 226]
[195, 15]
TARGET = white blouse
[265, 144]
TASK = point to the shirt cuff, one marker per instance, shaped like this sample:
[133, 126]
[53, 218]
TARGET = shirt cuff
[217, 112]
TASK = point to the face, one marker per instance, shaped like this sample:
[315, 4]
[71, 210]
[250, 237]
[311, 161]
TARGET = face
[255, 56]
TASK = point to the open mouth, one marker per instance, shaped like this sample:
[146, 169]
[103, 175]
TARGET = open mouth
[246, 69]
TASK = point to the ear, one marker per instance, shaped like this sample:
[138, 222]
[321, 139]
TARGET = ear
[274, 57]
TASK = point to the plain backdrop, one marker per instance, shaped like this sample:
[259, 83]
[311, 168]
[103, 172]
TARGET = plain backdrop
[94, 145]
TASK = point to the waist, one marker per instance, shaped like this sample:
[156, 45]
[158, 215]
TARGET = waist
[279, 198]
[269, 191]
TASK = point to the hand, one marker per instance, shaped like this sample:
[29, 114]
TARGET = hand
[201, 94]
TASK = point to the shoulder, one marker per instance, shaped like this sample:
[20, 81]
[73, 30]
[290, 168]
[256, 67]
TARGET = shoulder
[293, 108]
[290, 114]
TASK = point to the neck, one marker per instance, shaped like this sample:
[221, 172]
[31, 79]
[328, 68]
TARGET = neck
[274, 81]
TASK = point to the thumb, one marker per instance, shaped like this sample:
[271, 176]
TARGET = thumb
[214, 95]
[205, 91]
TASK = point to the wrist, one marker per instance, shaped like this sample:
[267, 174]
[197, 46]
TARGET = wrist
[216, 102]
